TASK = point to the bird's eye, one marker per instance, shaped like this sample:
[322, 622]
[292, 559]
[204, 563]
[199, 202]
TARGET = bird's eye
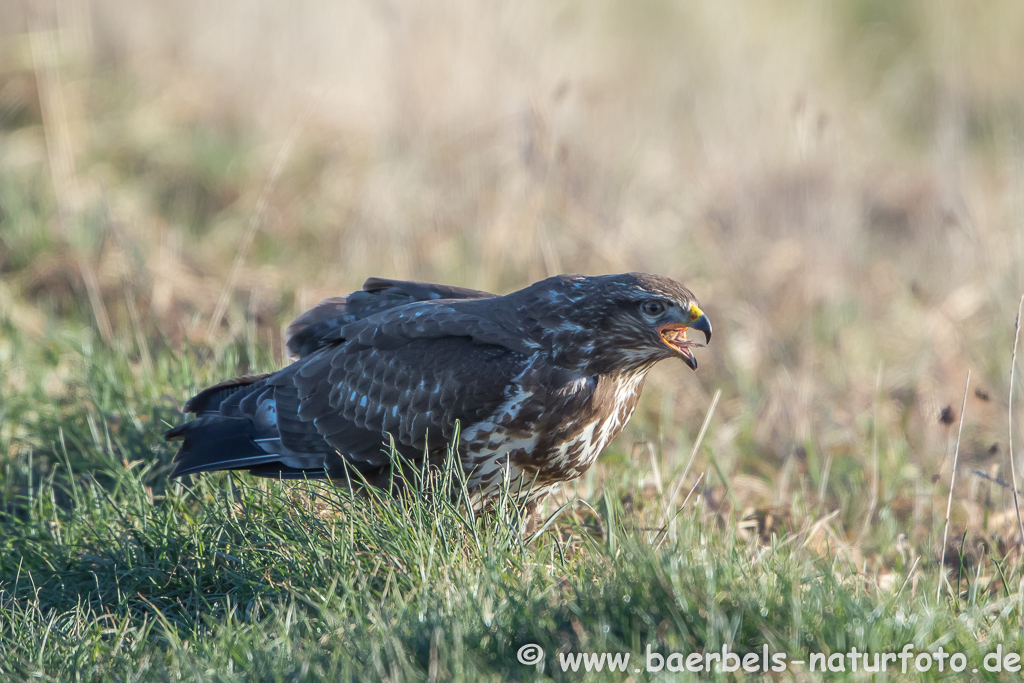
[652, 308]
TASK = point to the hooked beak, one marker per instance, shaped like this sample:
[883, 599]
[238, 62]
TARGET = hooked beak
[703, 324]
[674, 335]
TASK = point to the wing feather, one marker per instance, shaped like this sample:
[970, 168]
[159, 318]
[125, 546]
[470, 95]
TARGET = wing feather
[354, 396]
[399, 360]
[322, 325]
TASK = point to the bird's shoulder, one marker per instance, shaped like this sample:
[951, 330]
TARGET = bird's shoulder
[323, 324]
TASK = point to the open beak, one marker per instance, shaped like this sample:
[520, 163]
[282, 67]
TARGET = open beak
[674, 335]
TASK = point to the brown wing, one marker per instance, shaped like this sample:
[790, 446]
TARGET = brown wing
[322, 324]
[409, 372]
[352, 397]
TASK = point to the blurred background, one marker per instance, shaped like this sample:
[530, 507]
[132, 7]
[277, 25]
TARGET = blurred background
[840, 183]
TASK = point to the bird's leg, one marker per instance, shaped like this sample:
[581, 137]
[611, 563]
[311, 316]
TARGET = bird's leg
[532, 513]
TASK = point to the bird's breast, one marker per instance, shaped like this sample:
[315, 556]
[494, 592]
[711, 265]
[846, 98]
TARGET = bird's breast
[551, 436]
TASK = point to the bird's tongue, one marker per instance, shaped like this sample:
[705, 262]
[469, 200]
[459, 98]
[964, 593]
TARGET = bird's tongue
[675, 337]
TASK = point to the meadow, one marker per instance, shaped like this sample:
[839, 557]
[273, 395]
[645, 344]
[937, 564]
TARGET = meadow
[841, 184]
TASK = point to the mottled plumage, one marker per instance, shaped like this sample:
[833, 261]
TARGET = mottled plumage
[539, 381]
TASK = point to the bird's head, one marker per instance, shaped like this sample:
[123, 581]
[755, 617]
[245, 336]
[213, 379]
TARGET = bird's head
[634, 319]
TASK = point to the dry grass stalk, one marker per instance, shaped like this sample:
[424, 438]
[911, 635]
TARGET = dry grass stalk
[949, 501]
[910, 575]
[255, 221]
[663, 534]
[696, 446]
[1013, 467]
[62, 160]
[873, 505]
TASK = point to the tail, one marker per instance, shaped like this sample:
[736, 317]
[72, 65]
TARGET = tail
[215, 443]
[235, 429]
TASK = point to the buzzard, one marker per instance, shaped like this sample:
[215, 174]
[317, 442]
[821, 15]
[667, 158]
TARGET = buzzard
[534, 383]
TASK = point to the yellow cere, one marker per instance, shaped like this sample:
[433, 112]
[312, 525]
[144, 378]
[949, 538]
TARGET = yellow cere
[695, 312]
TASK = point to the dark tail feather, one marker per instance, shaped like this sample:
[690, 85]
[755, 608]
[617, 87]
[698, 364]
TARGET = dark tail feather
[209, 399]
[216, 443]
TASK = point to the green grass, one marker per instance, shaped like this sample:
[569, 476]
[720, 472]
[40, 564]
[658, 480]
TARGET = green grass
[839, 186]
[108, 571]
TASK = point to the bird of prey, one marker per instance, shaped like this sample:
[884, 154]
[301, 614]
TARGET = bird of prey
[534, 384]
